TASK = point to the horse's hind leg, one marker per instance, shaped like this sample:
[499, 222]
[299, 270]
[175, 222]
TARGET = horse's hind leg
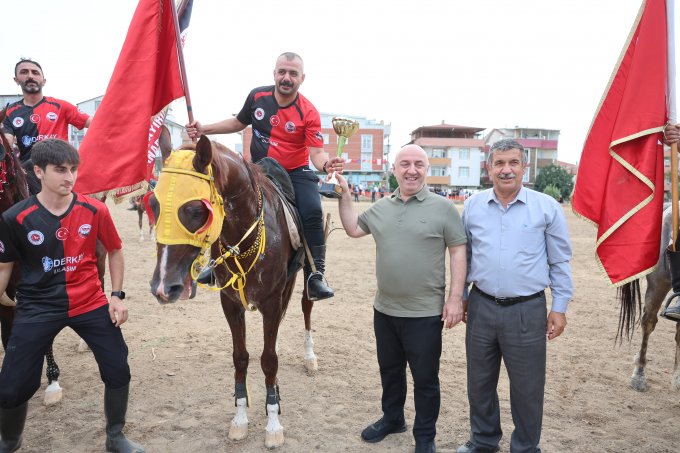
[53, 392]
[311, 364]
[140, 214]
[657, 288]
[235, 315]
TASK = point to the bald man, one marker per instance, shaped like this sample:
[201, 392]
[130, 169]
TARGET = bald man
[410, 309]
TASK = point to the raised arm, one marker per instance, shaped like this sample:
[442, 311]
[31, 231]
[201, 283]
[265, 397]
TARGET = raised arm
[348, 217]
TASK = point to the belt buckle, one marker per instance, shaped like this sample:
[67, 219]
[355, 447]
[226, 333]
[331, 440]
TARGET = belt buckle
[502, 301]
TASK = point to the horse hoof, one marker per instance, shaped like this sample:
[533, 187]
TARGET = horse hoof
[53, 394]
[639, 384]
[274, 439]
[311, 365]
[82, 346]
[238, 432]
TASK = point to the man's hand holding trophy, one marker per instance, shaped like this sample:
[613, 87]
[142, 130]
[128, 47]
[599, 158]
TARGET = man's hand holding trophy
[345, 128]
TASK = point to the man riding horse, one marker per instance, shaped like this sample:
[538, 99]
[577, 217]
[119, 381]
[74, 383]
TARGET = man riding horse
[287, 128]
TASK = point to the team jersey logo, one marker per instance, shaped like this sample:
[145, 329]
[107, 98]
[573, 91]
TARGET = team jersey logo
[319, 136]
[35, 237]
[259, 113]
[62, 234]
[2, 247]
[18, 122]
[47, 263]
[52, 116]
[84, 230]
[290, 127]
[27, 140]
[274, 120]
[35, 118]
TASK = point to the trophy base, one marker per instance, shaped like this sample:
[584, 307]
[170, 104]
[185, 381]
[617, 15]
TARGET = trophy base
[330, 190]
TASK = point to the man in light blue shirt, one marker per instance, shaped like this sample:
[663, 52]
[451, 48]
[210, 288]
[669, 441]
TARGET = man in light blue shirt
[518, 245]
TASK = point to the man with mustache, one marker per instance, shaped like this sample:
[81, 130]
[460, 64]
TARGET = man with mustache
[37, 117]
[287, 128]
[518, 245]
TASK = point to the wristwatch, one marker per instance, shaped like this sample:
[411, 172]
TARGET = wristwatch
[118, 294]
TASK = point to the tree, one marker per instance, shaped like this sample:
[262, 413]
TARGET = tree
[552, 191]
[393, 184]
[556, 176]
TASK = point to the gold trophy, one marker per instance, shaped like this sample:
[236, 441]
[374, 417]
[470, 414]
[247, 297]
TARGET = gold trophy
[345, 128]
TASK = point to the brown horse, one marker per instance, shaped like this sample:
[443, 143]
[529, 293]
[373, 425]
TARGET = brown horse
[254, 238]
[15, 182]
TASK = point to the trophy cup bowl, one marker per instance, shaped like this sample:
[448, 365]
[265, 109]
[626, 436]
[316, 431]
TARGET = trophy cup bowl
[345, 128]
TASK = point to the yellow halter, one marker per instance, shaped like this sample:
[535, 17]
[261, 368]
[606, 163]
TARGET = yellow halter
[178, 184]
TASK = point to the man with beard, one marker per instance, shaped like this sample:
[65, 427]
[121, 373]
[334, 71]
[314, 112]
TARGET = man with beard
[518, 244]
[287, 128]
[37, 117]
[410, 309]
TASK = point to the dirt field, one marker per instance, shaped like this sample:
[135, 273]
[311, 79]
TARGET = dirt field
[182, 375]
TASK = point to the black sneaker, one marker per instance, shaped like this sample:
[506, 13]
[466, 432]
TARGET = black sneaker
[380, 429]
[423, 446]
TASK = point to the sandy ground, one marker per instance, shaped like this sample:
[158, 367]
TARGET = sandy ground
[182, 375]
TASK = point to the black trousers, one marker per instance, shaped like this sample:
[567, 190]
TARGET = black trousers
[418, 342]
[22, 366]
[308, 201]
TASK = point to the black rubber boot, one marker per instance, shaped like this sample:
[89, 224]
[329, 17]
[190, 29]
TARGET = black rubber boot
[316, 285]
[11, 426]
[672, 310]
[115, 408]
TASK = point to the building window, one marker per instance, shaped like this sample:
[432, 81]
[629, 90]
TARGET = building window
[366, 160]
[438, 153]
[464, 154]
[326, 139]
[96, 105]
[438, 171]
[463, 172]
[366, 143]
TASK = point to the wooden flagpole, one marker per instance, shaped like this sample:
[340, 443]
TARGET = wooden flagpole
[674, 192]
[180, 56]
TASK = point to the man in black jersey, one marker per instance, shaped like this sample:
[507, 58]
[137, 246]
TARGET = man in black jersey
[52, 236]
[287, 128]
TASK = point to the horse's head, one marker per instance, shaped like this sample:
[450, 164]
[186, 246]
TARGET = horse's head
[188, 212]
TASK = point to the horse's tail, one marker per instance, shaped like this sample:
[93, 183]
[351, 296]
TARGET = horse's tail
[631, 304]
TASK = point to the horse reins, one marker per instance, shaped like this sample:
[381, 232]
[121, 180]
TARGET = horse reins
[238, 278]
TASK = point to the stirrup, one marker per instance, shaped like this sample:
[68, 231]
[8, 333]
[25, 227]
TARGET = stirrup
[665, 308]
[324, 280]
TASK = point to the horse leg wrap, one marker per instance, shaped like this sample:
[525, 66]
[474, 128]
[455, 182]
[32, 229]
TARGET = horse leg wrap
[241, 392]
[273, 397]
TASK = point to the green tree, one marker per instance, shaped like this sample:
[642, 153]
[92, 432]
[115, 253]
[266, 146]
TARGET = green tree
[556, 176]
[392, 180]
[553, 191]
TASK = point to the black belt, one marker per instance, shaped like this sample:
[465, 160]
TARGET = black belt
[507, 301]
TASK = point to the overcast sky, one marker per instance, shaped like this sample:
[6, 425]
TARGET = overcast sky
[482, 63]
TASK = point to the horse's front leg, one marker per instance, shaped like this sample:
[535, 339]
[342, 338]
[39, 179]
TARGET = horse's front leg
[270, 366]
[53, 392]
[676, 368]
[311, 364]
[235, 315]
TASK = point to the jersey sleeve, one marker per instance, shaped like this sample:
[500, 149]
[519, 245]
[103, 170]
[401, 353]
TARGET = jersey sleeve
[8, 252]
[313, 135]
[244, 116]
[74, 116]
[106, 231]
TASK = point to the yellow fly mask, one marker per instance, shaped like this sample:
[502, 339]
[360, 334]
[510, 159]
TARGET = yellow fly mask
[178, 184]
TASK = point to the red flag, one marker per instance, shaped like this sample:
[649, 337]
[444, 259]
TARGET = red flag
[620, 181]
[146, 78]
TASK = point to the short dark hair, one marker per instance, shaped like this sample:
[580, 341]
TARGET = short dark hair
[27, 60]
[54, 151]
[506, 145]
[290, 56]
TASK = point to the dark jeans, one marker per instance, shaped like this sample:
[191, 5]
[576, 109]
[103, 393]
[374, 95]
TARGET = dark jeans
[418, 342]
[308, 201]
[21, 368]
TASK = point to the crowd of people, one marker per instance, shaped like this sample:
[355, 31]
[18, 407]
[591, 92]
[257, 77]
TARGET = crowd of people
[507, 247]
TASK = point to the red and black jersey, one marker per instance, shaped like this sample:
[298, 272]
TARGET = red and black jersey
[49, 118]
[283, 133]
[57, 256]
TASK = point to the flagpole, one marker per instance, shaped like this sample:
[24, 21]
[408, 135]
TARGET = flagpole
[672, 113]
[182, 67]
